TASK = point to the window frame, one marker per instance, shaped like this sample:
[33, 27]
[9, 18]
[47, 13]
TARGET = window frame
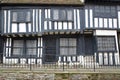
[115, 47]
[64, 19]
[68, 47]
[102, 11]
[25, 13]
[24, 54]
[16, 25]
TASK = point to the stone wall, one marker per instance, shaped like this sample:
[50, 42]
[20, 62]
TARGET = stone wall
[58, 76]
[26, 76]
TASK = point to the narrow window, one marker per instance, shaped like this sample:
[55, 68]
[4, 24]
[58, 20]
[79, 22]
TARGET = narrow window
[105, 11]
[55, 14]
[31, 47]
[18, 47]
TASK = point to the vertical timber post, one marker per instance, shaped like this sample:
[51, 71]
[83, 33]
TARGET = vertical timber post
[30, 64]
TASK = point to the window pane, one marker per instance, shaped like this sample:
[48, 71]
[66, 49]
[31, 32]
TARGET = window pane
[63, 42]
[17, 51]
[102, 9]
[107, 9]
[97, 9]
[14, 16]
[63, 51]
[72, 42]
[28, 16]
[55, 14]
[18, 47]
[106, 43]
[72, 51]
[63, 15]
[69, 15]
[21, 16]
[31, 43]
[18, 43]
[31, 51]
[67, 46]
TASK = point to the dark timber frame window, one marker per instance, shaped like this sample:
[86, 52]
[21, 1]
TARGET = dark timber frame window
[62, 18]
[21, 16]
[24, 47]
[105, 11]
[106, 43]
[68, 46]
[62, 15]
[21, 20]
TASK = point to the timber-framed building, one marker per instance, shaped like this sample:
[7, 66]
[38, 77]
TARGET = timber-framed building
[56, 31]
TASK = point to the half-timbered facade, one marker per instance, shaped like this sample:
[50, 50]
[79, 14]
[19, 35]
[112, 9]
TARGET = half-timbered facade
[62, 31]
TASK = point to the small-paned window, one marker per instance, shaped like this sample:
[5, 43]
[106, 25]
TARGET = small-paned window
[105, 11]
[31, 47]
[21, 21]
[106, 43]
[67, 46]
[62, 14]
[21, 16]
[24, 47]
[18, 47]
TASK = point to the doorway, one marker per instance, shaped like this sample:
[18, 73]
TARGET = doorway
[49, 49]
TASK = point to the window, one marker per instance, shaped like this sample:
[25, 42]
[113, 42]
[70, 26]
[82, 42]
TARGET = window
[21, 16]
[24, 47]
[21, 20]
[18, 47]
[31, 47]
[62, 14]
[106, 43]
[105, 11]
[67, 46]
[62, 19]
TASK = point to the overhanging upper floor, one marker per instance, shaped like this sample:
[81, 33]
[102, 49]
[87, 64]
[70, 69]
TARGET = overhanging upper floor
[32, 20]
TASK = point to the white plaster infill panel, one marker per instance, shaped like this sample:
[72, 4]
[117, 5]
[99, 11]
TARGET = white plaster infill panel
[105, 33]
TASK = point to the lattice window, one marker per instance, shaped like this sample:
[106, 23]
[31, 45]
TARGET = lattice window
[106, 43]
[21, 16]
[105, 11]
[24, 47]
[67, 46]
[62, 15]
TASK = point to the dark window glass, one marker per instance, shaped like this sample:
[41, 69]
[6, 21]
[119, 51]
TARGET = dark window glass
[18, 47]
[89, 45]
[105, 11]
[106, 43]
[31, 47]
[62, 14]
[21, 16]
[24, 47]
